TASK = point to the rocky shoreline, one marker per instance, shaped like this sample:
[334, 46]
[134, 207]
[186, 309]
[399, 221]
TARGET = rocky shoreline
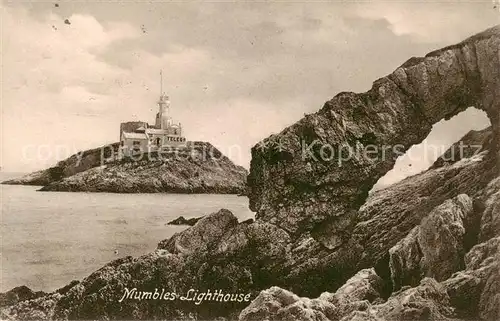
[321, 247]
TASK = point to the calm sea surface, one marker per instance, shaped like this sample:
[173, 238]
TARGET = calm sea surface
[50, 238]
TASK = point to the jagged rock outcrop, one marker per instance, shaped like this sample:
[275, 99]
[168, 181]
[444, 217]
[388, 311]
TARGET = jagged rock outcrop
[474, 291]
[197, 168]
[278, 304]
[386, 218]
[470, 293]
[315, 174]
[434, 248]
[216, 253]
[428, 301]
[489, 201]
[202, 235]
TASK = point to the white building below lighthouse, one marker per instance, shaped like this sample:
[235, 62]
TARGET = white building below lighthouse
[140, 137]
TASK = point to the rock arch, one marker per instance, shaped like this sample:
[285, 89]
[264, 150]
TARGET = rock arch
[294, 187]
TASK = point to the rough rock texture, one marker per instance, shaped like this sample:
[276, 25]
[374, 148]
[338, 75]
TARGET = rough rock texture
[386, 218]
[203, 234]
[278, 304]
[475, 291]
[76, 163]
[490, 202]
[471, 293]
[198, 168]
[428, 301]
[303, 179]
[435, 247]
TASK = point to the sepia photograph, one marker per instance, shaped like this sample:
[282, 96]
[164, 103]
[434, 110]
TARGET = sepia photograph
[237, 160]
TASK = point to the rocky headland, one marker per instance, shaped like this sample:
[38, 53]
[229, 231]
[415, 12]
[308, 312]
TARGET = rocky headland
[197, 168]
[322, 247]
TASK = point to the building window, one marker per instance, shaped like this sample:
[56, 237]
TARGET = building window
[136, 142]
[158, 141]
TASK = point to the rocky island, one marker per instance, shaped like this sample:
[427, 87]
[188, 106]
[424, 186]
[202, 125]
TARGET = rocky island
[149, 158]
[197, 167]
[322, 247]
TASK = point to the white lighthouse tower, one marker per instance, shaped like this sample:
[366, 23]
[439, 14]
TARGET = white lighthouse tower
[163, 119]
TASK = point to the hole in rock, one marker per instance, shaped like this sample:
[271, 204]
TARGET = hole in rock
[442, 136]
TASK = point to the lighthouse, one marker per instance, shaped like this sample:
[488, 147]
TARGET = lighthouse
[141, 137]
[163, 119]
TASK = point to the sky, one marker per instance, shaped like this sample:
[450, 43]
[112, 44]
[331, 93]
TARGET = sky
[235, 72]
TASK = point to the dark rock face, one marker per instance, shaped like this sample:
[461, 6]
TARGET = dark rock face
[183, 221]
[470, 293]
[198, 168]
[386, 218]
[490, 201]
[435, 247]
[474, 290]
[315, 174]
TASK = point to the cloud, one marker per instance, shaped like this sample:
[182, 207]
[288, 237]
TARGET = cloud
[430, 21]
[46, 67]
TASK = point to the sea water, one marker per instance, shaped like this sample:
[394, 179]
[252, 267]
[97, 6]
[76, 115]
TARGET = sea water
[51, 238]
